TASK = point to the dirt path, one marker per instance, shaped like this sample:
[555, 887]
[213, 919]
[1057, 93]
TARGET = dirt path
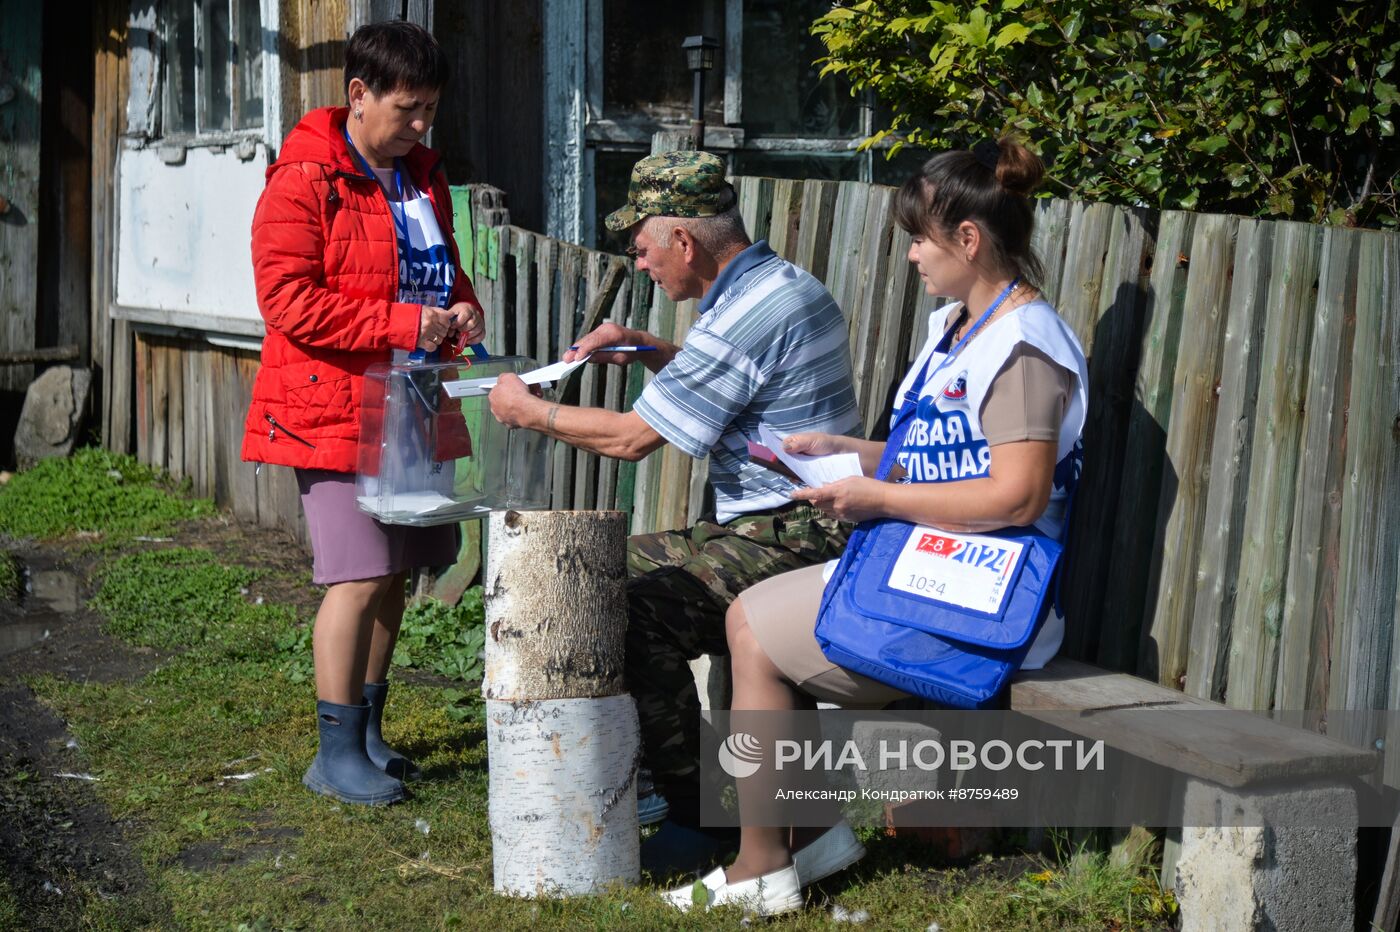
[56, 836]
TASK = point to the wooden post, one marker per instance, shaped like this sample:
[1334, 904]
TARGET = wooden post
[561, 733]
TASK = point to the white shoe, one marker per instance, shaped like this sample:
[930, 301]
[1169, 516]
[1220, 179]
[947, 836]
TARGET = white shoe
[834, 850]
[770, 895]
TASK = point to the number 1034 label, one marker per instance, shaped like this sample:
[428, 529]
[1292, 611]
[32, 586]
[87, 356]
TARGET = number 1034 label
[967, 570]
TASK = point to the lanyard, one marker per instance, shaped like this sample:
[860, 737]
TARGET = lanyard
[400, 221]
[911, 398]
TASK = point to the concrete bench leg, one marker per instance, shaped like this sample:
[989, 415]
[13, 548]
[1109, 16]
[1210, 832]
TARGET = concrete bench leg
[1286, 877]
[713, 681]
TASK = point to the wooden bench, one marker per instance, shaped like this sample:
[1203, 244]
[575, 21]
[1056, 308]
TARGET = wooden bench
[1284, 877]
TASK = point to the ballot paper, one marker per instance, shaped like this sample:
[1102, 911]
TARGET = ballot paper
[463, 388]
[812, 470]
[408, 505]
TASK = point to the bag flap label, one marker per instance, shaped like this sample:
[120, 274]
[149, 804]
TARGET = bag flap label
[966, 570]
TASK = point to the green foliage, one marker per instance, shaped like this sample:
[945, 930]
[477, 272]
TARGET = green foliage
[447, 639]
[94, 491]
[184, 598]
[1259, 107]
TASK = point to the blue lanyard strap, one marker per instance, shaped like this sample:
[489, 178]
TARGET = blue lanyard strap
[905, 418]
[400, 216]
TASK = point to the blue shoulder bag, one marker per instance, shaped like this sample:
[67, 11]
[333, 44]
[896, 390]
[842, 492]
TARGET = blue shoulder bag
[946, 616]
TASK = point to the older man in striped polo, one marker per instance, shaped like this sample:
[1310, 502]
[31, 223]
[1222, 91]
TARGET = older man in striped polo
[769, 346]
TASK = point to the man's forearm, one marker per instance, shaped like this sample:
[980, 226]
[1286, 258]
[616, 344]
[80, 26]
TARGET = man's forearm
[596, 430]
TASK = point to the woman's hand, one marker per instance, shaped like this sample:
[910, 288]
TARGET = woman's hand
[433, 327]
[853, 499]
[468, 322]
[814, 444]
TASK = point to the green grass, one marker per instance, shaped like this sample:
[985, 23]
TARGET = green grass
[93, 491]
[10, 914]
[11, 577]
[204, 756]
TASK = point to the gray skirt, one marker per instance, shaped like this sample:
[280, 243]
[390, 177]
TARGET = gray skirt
[349, 545]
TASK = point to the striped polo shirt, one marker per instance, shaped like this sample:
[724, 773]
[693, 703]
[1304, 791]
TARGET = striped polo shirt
[769, 346]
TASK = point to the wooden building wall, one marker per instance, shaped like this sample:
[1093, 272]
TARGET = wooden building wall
[111, 350]
[490, 125]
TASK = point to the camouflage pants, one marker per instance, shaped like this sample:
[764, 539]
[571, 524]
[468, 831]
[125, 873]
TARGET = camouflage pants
[679, 586]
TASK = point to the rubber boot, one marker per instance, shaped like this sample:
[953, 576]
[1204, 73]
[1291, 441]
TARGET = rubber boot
[385, 758]
[341, 769]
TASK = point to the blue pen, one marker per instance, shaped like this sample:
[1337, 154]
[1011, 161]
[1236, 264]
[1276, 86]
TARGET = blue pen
[621, 349]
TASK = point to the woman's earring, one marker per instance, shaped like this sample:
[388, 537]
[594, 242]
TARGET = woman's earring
[359, 114]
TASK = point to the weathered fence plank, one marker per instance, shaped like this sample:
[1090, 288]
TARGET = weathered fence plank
[1117, 321]
[1310, 593]
[568, 298]
[546, 259]
[815, 232]
[1048, 239]
[522, 250]
[1273, 466]
[1231, 446]
[785, 217]
[631, 477]
[845, 243]
[898, 298]
[1370, 528]
[755, 205]
[1081, 279]
[1144, 449]
[866, 312]
[1181, 502]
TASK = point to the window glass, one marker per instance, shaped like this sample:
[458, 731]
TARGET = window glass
[218, 61]
[783, 95]
[179, 116]
[612, 170]
[644, 68]
[249, 65]
[894, 171]
[823, 166]
[213, 74]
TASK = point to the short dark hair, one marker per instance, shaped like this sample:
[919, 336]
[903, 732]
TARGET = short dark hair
[395, 55]
[989, 189]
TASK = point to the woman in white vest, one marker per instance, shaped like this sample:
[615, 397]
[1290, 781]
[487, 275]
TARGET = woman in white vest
[995, 443]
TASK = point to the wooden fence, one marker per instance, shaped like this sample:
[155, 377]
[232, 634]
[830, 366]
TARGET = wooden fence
[1236, 534]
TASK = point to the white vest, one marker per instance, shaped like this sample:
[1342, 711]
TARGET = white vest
[945, 443]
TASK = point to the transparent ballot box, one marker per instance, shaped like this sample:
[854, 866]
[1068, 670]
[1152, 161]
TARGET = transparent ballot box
[431, 452]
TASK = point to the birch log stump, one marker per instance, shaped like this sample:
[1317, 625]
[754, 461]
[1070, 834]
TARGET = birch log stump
[561, 732]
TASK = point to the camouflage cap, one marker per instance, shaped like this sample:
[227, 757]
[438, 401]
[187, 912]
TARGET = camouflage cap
[684, 183]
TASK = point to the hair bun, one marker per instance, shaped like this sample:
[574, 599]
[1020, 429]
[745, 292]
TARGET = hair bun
[1019, 170]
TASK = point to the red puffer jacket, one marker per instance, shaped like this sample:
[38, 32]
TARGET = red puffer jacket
[325, 262]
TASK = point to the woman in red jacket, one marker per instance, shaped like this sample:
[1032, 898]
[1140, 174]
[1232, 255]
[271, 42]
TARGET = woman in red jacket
[355, 264]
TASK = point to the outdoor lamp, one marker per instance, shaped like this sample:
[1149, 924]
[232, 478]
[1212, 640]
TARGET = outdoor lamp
[699, 58]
